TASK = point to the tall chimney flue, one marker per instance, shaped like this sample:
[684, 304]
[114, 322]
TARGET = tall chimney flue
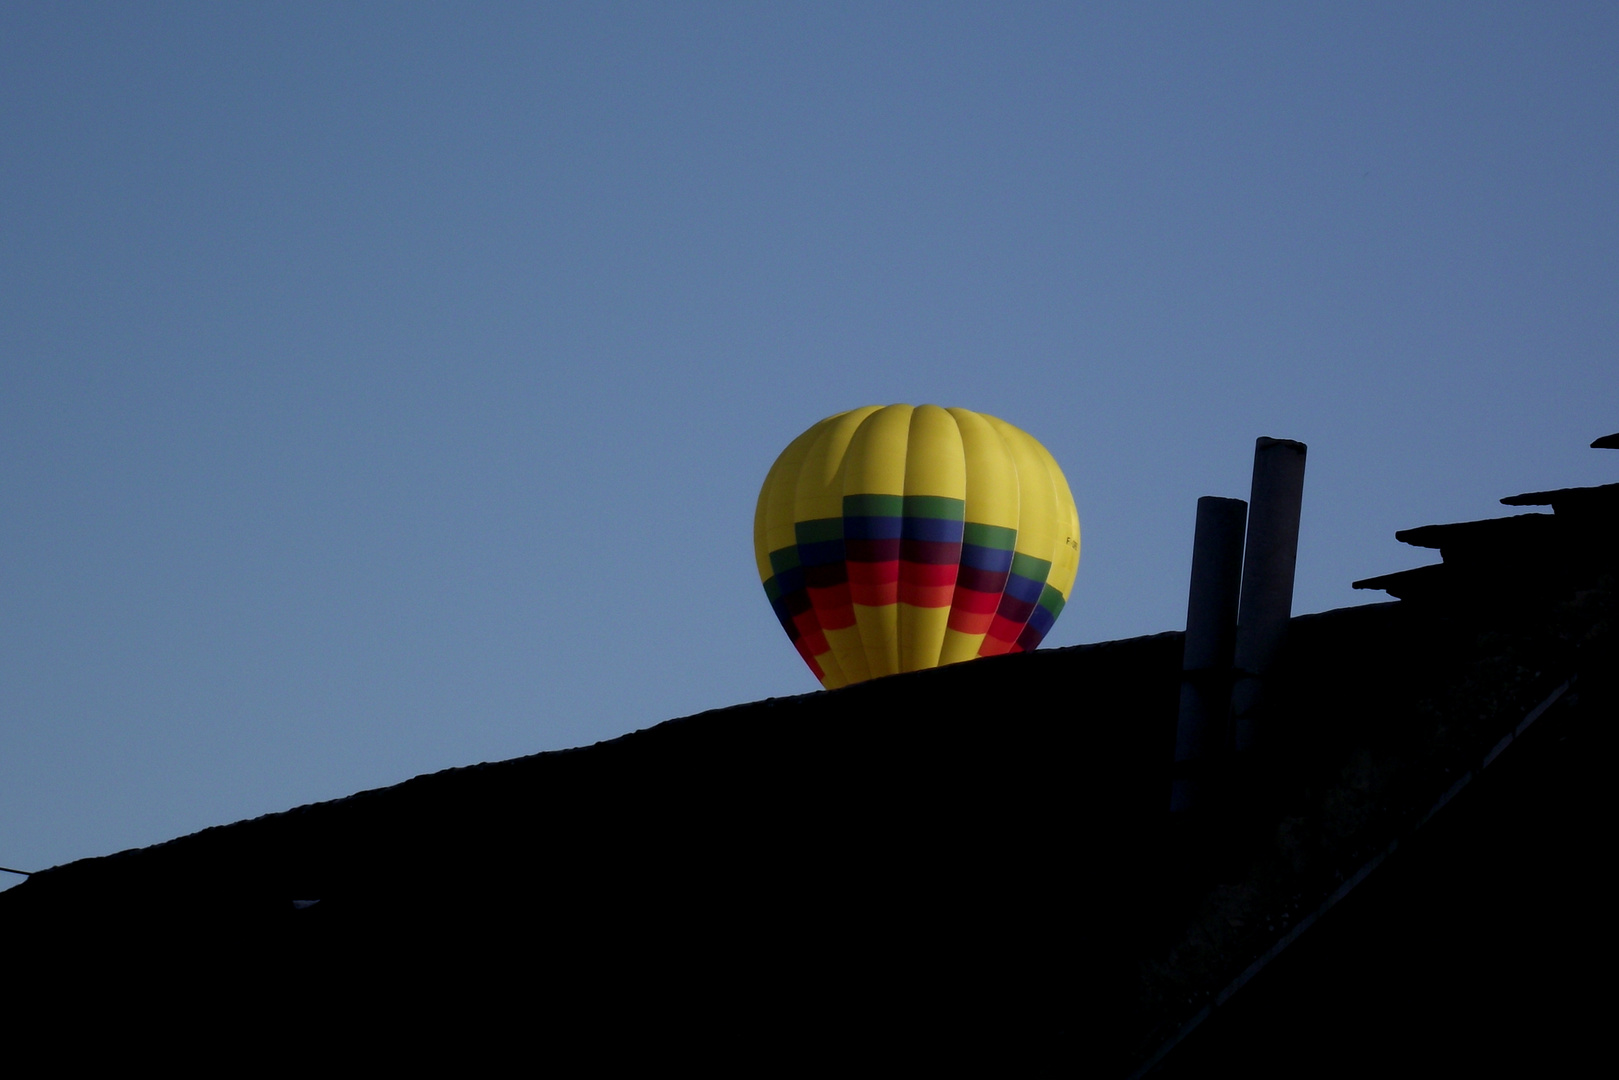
[1202, 732]
[1267, 580]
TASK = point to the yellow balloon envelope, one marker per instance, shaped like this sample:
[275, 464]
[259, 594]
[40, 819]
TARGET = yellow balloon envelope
[896, 538]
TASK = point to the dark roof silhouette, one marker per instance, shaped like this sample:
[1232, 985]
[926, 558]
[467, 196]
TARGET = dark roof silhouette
[968, 864]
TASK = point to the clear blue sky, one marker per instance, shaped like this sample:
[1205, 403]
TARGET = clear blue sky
[385, 388]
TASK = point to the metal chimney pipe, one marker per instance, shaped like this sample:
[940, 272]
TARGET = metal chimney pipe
[1201, 733]
[1267, 578]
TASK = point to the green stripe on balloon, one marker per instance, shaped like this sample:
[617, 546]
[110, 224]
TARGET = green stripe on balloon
[939, 507]
[990, 536]
[1027, 566]
[873, 505]
[818, 531]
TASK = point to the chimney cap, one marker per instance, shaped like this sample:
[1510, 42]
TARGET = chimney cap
[1265, 440]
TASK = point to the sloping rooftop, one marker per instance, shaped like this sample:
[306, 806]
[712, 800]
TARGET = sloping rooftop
[972, 860]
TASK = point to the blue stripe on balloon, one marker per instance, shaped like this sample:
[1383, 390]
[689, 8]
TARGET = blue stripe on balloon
[936, 530]
[873, 528]
[994, 560]
[1021, 588]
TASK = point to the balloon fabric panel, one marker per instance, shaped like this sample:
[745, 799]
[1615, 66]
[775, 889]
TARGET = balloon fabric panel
[1064, 567]
[818, 531]
[776, 549]
[930, 536]
[875, 481]
[1036, 543]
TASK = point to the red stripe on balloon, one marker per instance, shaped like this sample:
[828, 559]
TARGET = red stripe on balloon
[834, 606]
[1002, 636]
[974, 602]
[926, 596]
[860, 550]
[972, 612]
[928, 574]
[968, 623]
[809, 629]
[874, 584]
[803, 651]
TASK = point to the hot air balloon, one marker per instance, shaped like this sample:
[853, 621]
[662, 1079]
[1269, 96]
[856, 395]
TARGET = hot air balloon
[896, 538]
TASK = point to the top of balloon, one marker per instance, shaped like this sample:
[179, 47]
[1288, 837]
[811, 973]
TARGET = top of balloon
[896, 538]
